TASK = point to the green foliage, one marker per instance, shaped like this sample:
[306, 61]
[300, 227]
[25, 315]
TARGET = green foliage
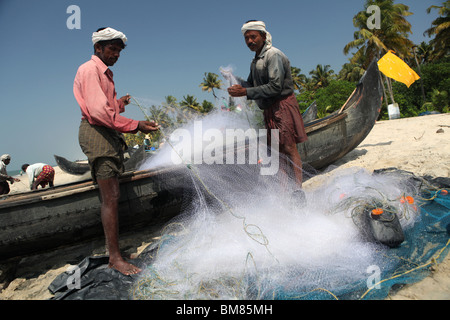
[440, 30]
[322, 75]
[333, 97]
[305, 98]
[207, 106]
[435, 78]
[439, 99]
[211, 82]
[134, 139]
[328, 99]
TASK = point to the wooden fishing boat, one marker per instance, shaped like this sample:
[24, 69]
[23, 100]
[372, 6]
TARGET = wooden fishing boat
[310, 113]
[48, 218]
[332, 137]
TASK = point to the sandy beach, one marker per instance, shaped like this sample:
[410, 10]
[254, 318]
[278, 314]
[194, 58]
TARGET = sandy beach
[419, 145]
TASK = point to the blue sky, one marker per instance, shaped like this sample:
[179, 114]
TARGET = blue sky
[171, 44]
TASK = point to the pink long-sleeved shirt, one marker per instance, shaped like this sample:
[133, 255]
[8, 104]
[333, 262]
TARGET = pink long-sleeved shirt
[94, 91]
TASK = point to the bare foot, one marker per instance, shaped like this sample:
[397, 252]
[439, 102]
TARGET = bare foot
[124, 267]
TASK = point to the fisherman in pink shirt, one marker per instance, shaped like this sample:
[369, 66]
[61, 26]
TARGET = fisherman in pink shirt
[100, 133]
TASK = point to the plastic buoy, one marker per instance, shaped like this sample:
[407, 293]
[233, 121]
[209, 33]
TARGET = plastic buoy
[381, 224]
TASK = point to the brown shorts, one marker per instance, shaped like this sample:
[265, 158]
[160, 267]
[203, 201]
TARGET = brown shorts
[104, 149]
[285, 116]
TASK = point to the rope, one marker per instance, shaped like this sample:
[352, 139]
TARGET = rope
[432, 261]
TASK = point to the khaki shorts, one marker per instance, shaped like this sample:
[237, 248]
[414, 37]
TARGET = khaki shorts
[105, 168]
[104, 149]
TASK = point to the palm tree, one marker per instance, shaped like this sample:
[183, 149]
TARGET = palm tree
[414, 49]
[171, 102]
[191, 102]
[298, 78]
[441, 31]
[170, 105]
[392, 35]
[351, 72]
[321, 76]
[174, 110]
[423, 52]
[211, 82]
[309, 84]
[207, 106]
[161, 116]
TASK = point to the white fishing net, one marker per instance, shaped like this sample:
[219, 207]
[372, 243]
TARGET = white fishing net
[253, 244]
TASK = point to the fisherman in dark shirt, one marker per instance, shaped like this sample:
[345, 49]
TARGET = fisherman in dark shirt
[270, 85]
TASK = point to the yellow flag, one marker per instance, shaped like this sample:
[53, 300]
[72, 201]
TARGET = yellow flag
[395, 68]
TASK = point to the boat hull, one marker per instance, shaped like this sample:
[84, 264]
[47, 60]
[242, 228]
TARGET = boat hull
[331, 138]
[48, 218]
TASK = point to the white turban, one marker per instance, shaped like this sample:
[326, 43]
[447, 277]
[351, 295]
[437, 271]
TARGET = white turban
[108, 34]
[5, 157]
[258, 26]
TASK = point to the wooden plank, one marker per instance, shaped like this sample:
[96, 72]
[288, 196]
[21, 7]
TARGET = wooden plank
[325, 123]
[68, 193]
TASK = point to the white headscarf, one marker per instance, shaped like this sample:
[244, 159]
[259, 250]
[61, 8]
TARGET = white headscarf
[258, 26]
[108, 34]
[5, 157]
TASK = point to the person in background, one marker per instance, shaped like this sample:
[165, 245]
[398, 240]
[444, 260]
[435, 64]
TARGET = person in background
[270, 85]
[147, 144]
[100, 133]
[4, 177]
[39, 174]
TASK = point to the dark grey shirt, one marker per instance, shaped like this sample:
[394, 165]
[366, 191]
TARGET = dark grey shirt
[270, 78]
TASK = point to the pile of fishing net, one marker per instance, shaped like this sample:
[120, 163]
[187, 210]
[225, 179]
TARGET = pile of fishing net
[240, 236]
